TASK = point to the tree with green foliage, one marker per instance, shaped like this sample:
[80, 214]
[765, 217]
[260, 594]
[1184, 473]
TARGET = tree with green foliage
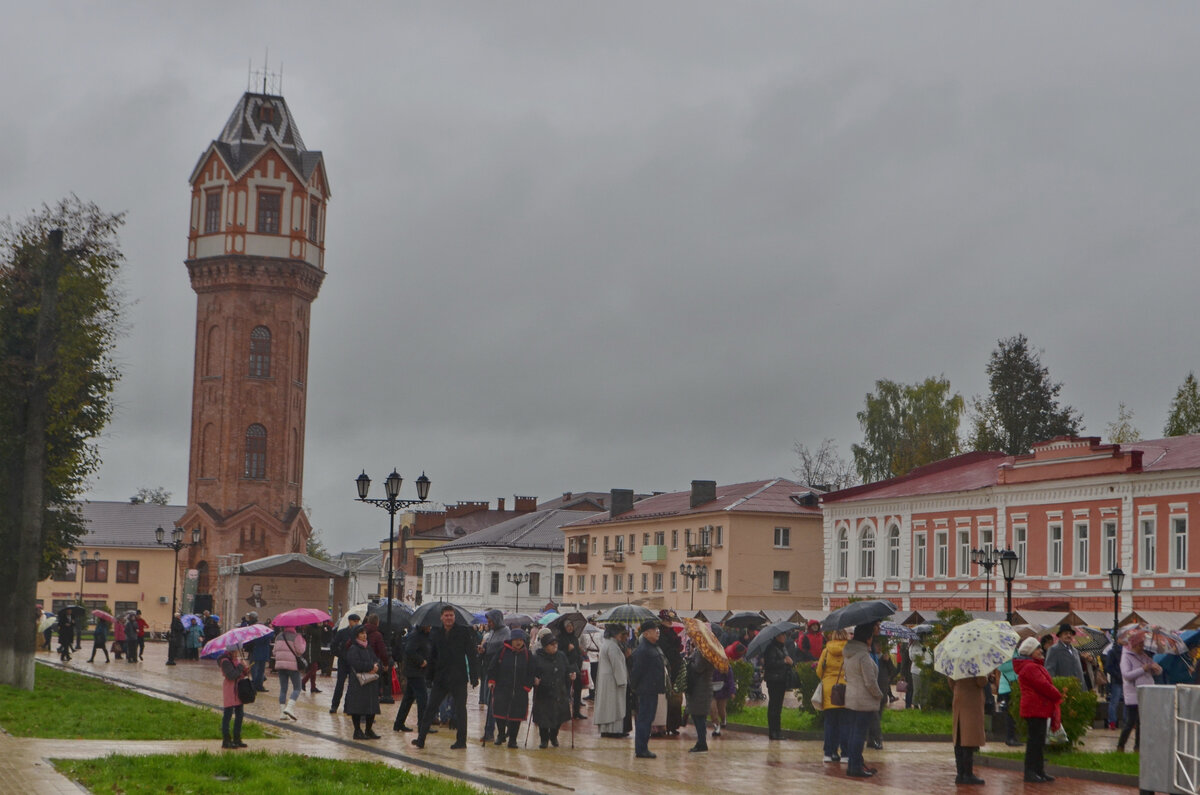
[1184, 417]
[1122, 430]
[1022, 404]
[59, 314]
[316, 547]
[906, 426]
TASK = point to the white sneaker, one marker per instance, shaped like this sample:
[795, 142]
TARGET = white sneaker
[283, 713]
[827, 759]
[716, 732]
[288, 710]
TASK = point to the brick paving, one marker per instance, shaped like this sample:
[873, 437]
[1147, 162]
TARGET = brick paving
[738, 761]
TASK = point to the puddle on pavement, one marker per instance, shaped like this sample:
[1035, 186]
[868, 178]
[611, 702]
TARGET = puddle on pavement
[523, 777]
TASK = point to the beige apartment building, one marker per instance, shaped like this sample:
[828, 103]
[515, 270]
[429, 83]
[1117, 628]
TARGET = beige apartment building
[753, 546]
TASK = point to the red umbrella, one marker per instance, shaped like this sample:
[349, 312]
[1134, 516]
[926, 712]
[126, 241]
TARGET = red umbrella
[103, 616]
[300, 617]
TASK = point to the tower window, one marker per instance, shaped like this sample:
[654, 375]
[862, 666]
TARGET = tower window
[256, 452]
[212, 212]
[314, 217]
[260, 352]
[269, 203]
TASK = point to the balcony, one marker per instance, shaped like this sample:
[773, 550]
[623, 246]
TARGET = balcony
[699, 550]
[614, 557]
[654, 553]
[577, 558]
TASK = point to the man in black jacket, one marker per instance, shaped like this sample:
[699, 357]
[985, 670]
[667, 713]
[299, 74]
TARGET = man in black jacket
[417, 650]
[568, 644]
[453, 661]
[647, 679]
[337, 647]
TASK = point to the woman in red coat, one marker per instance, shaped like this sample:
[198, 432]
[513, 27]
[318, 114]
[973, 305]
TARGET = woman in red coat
[232, 669]
[1039, 701]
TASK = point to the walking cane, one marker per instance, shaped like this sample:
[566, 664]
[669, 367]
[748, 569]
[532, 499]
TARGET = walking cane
[528, 728]
[572, 683]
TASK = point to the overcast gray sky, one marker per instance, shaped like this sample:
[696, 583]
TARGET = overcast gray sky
[583, 246]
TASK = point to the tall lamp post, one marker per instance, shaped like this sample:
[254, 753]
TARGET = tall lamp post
[1008, 567]
[1116, 579]
[176, 543]
[693, 573]
[81, 565]
[391, 487]
[988, 559]
[517, 579]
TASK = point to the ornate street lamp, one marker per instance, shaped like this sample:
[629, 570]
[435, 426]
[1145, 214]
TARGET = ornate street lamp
[1008, 567]
[1116, 579]
[176, 543]
[988, 559]
[391, 487]
[692, 574]
[517, 579]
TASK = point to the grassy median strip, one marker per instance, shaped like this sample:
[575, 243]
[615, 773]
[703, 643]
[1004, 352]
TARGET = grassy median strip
[895, 721]
[247, 771]
[1109, 762]
[65, 705]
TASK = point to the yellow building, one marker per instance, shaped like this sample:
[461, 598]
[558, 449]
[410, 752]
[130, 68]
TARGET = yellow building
[752, 546]
[126, 568]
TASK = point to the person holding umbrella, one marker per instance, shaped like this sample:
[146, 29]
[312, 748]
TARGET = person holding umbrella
[969, 733]
[100, 639]
[453, 661]
[1137, 668]
[777, 668]
[232, 669]
[648, 681]
[416, 668]
[862, 696]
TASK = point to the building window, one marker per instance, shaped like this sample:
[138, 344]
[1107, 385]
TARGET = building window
[314, 216]
[660, 538]
[843, 554]
[632, 544]
[621, 544]
[429, 583]
[920, 556]
[987, 538]
[629, 584]
[594, 544]
[256, 452]
[674, 539]
[783, 537]
[674, 579]
[893, 551]
[96, 571]
[779, 580]
[1020, 543]
[535, 584]
[866, 553]
[1108, 550]
[212, 211]
[941, 553]
[495, 586]
[65, 572]
[718, 536]
[964, 553]
[1149, 546]
[1054, 557]
[645, 582]
[581, 581]
[570, 585]
[717, 580]
[593, 583]
[702, 580]
[1179, 543]
[260, 352]
[604, 583]
[127, 571]
[121, 608]
[645, 539]
[658, 581]
[558, 583]
[617, 583]
[269, 202]
[1082, 548]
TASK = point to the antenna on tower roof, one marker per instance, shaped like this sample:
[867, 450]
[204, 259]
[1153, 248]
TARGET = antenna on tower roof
[272, 82]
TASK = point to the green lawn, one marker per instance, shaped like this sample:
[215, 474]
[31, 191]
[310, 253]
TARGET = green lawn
[75, 707]
[908, 721]
[1109, 762]
[247, 771]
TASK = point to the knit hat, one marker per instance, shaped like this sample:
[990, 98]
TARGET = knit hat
[1028, 647]
[649, 624]
[516, 634]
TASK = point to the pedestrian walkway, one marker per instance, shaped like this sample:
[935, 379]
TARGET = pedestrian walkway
[738, 761]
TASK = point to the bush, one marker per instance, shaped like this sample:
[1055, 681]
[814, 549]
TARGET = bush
[1078, 708]
[809, 682]
[743, 676]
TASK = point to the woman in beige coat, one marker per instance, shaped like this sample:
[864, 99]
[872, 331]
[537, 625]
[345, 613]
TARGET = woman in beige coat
[969, 732]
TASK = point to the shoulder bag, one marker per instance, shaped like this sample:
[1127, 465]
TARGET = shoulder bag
[245, 690]
[366, 677]
[301, 660]
[837, 693]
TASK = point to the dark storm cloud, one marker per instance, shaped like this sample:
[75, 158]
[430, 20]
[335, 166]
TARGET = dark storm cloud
[581, 247]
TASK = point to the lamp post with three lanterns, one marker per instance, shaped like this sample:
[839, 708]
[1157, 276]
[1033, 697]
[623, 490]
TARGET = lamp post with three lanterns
[176, 543]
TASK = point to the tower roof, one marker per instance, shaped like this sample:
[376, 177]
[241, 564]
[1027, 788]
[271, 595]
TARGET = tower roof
[257, 122]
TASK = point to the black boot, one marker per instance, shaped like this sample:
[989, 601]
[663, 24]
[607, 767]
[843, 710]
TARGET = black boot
[545, 737]
[969, 777]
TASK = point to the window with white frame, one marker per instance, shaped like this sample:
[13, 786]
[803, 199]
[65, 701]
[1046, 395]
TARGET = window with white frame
[941, 553]
[702, 580]
[716, 580]
[604, 583]
[658, 581]
[1021, 547]
[616, 583]
[674, 539]
[893, 551]
[920, 556]
[495, 582]
[592, 582]
[1179, 543]
[780, 580]
[629, 584]
[1083, 547]
[645, 582]
[1054, 555]
[1108, 546]
[866, 553]
[674, 581]
[964, 553]
[579, 581]
[783, 537]
[1149, 545]
[718, 536]
[987, 538]
[843, 554]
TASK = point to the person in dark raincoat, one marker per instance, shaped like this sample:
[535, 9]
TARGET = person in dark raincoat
[362, 701]
[131, 628]
[551, 699]
[510, 678]
[489, 649]
[672, 649]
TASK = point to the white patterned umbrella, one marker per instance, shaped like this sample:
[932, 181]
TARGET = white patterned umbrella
[975, 649]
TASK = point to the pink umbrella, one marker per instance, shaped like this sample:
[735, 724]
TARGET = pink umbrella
[234, 638]
[300, 617]
[102, 615]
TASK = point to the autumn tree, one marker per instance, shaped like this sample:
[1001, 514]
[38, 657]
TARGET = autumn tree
[1184, 417]
[907, 426]
[151, 496]
[1022, 404]
[59, 314]
[823, 468]
[1122, 430]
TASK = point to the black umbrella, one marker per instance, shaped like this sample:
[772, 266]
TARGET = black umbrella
[768, 635]
[514, 620]
[857, 613]
[746, 619]
[625, 614]
[430, 615]
[578, 622]
[401, 614]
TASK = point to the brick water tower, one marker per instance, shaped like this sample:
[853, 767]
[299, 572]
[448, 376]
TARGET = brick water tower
[256, 259]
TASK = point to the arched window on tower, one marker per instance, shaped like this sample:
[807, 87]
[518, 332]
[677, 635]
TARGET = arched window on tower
[256, 452]
[260, 352]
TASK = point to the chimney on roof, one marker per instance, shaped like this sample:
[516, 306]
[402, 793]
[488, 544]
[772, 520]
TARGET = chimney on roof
[566, 496]
[703, 491]
[622, 502]
[499, 503]
[524, 504]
